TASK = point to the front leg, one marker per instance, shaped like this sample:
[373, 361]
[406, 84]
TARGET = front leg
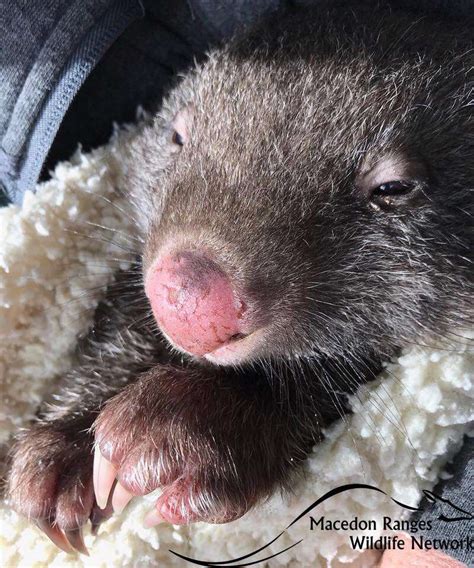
[216, 441]
[50, 471]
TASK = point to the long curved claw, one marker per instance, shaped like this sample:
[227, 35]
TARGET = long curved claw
[55, 535]
[98, 516]
[76, 540]
[104, 477]
[120, 498]
[153, 518]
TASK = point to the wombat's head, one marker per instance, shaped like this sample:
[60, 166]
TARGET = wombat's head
[307, 189]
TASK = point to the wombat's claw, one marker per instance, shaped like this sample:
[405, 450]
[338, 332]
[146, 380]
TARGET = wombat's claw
[55, 535]
[50, 483]
[68, 541]
[109, 493]
[76, 540]
[120, 498]
[172, 507]
[104, 478]
[98, 516]
[153, 518]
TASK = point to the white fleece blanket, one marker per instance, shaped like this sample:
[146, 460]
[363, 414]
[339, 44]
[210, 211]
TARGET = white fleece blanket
[405, 426]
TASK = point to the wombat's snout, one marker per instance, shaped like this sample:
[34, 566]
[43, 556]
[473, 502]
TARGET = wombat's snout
[194, 302]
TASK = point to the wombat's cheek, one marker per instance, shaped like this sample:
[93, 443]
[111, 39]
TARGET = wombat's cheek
[198, 308]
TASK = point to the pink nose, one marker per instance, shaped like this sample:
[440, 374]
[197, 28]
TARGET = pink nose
[193, 302]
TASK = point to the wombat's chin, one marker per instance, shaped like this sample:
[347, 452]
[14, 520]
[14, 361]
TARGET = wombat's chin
[239, 350]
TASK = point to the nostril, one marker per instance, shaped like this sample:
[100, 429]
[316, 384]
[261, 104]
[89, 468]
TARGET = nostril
[194, 302]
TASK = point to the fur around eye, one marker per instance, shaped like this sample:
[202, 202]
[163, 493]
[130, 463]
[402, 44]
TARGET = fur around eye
[181, 127]
[393, 180]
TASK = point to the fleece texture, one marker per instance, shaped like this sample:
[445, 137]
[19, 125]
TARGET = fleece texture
[55, 264]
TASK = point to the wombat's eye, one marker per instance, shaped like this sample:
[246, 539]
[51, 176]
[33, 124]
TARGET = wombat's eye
[177, 139]
[393, 188]
[181, 126]
[391, 193]
[392, 181]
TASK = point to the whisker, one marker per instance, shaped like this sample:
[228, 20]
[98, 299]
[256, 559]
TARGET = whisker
[118, 232]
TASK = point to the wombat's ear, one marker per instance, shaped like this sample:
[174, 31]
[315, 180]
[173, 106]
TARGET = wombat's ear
[182, 125]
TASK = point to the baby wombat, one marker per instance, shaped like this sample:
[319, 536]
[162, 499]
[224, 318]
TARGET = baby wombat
[303, 198]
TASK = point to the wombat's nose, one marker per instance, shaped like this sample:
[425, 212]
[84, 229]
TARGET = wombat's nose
[194, 302]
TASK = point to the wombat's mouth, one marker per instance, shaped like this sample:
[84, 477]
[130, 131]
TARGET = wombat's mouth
[238, 349]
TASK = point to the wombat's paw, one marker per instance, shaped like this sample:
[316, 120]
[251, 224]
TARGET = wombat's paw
[165, 433]
[50, 482]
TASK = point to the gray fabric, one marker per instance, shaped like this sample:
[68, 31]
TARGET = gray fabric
[22, 39]
[224, 17]
[47, 50]
[77, 18]
[458, 490]
[72, 76]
